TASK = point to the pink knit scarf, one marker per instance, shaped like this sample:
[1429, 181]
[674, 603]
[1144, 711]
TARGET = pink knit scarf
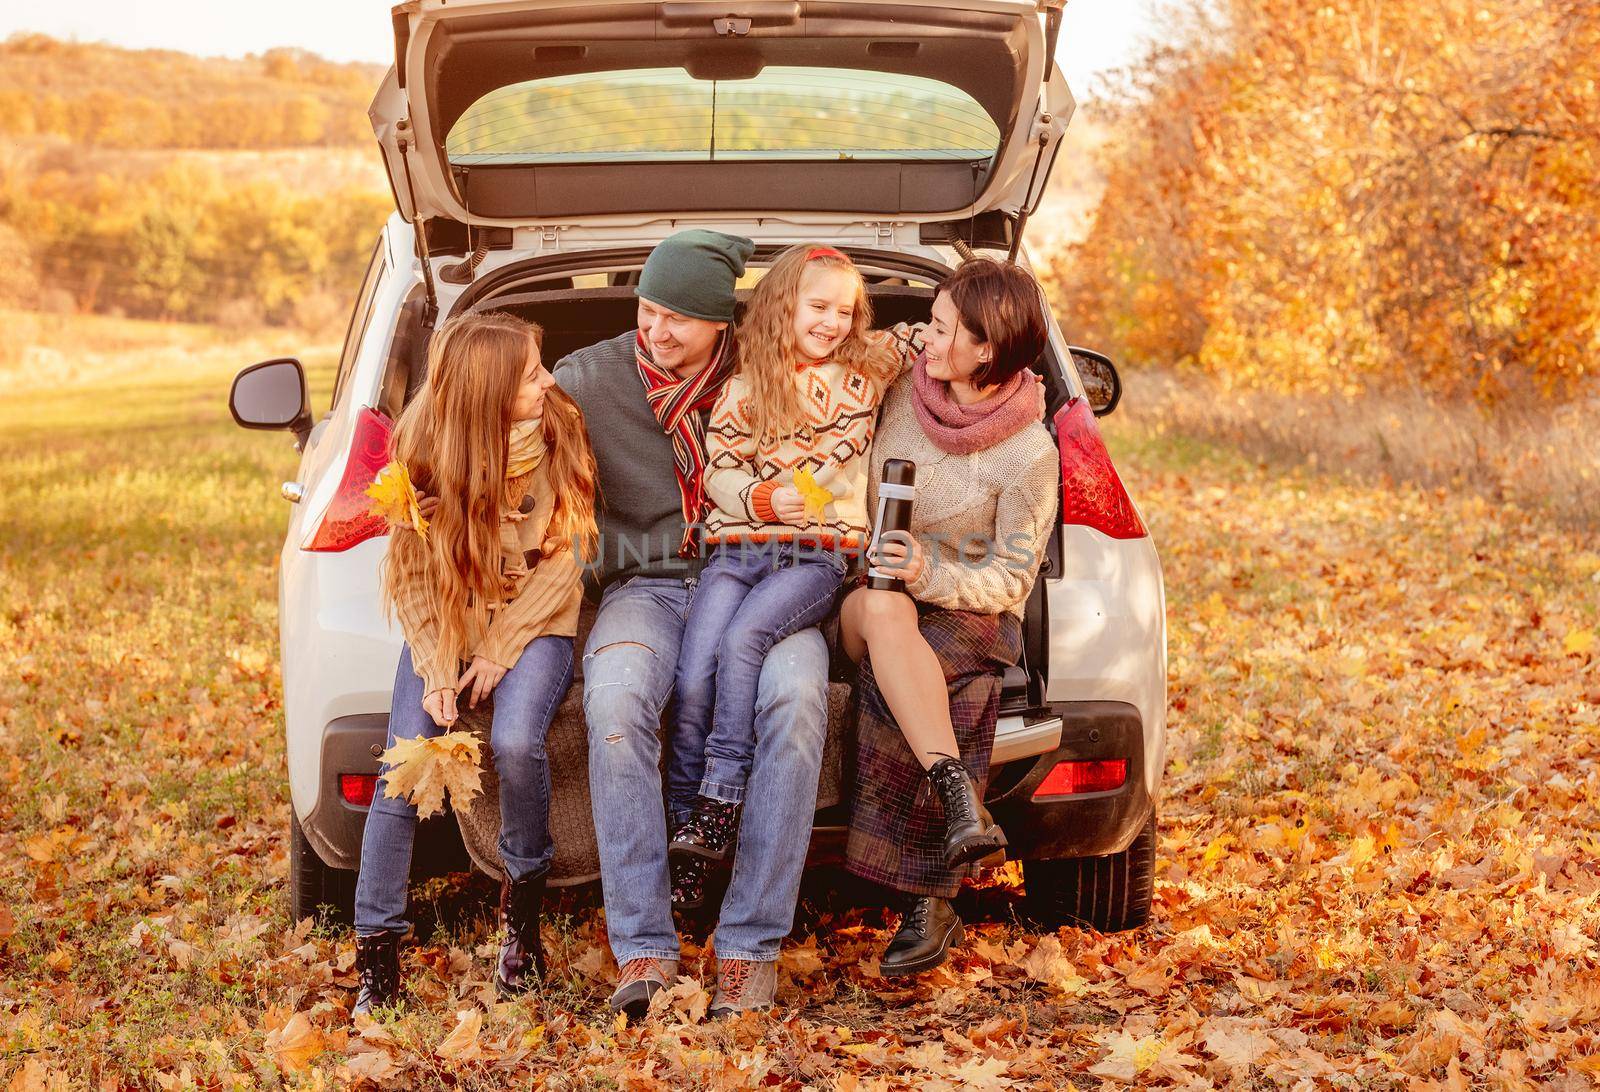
[961, 430]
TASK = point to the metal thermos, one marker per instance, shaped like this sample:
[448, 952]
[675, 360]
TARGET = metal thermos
[896, 492]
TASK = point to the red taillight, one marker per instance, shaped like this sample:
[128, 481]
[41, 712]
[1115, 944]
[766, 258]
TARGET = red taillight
[1076, 778]
[357, 788]
[349, 517]
[1091, 493]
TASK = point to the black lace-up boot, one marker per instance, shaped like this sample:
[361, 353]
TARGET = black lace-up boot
[709, 831]
[377, 971]
[521, 963]
[929, 929]
[969, 833]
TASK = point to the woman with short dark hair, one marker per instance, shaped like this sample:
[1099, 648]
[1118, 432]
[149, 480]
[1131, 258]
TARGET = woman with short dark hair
[932, 658]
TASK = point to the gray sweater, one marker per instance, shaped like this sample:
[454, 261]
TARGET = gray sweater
[639, 509]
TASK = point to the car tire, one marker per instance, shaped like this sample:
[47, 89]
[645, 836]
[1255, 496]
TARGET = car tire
[316, 890]
[1109, 894]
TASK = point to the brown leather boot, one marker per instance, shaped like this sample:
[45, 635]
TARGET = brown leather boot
[521, 963]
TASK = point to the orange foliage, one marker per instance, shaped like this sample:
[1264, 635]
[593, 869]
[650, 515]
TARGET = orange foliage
[1338, 197]
[102, 96]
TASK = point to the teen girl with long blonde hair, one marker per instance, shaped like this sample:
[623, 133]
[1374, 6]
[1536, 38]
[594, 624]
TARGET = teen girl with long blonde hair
[491, 580]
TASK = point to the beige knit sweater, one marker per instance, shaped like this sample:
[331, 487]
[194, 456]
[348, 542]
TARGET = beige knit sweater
[540, 580]
[983, 520]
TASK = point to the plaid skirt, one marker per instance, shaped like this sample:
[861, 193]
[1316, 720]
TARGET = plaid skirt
[897, 820]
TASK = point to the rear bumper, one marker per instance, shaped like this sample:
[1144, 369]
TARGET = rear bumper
[1087, 825]
[351, 745]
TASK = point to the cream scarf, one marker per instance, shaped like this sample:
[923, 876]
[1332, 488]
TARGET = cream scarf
[525, 447]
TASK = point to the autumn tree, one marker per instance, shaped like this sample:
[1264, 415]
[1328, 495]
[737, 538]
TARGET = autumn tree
[1305, 195]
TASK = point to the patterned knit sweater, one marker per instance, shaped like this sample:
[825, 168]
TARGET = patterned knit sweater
[983, 520]
[540, 579]
[841, 417]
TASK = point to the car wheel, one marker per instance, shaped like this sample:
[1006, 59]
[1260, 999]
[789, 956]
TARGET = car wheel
[1110, 893]
[316, 890]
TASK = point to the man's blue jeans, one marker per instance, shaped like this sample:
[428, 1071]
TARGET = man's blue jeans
[750, 597]
[629, 667]
[525, 702]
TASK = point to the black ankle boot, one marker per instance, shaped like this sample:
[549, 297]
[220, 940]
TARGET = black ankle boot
[377, 971]
[521, 963]
[969, 833]
[688, 875]
[929, 929]
[709, 831]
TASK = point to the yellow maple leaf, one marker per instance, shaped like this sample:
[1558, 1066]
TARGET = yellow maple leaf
[295, 1044]
[1362, 850]
[1579, 642]
[395, 498]
[1151, 1057]
[421, 769]
[802, 960]
[982, 1073]
[815, 496]
[1236, 1044]
[688, 998]
[1049, 964]
[462, 1045]
[1215, 850]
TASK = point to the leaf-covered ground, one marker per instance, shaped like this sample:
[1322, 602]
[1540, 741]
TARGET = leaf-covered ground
[1378, 855]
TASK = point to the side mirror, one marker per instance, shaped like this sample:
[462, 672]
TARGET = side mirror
[1101, 383]
[272, 395]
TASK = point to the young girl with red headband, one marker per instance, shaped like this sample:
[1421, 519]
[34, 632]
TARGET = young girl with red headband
[786, 478]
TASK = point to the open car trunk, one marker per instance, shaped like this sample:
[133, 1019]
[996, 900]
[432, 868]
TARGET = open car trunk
[533, 112]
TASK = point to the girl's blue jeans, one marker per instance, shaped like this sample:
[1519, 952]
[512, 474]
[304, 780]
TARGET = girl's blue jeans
[525, 702]
[748, 599]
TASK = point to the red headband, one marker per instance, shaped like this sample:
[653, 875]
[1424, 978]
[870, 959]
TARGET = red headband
[826, 252]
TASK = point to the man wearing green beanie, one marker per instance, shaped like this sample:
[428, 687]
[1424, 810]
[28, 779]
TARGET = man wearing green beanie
[693, 272]
[645, 396]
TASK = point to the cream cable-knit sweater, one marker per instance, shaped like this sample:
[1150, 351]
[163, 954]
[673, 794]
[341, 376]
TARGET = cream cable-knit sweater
[1006, 495]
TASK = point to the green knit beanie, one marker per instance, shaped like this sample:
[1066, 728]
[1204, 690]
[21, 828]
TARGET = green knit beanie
[693, 273]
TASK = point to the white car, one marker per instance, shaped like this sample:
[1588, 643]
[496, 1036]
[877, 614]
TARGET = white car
[537, 150]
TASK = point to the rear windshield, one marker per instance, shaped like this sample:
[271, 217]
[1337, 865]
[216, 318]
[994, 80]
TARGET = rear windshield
[665, 115]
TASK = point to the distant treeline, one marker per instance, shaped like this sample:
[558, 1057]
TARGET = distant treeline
[112, 199]
[185, 244]
[107, 97]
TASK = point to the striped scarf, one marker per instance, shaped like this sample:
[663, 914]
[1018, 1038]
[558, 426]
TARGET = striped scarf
[681, 406]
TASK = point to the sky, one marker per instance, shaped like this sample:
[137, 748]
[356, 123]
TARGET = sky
[1096, 34]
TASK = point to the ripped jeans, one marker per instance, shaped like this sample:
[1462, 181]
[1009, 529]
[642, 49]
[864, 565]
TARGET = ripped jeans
[629, 666]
